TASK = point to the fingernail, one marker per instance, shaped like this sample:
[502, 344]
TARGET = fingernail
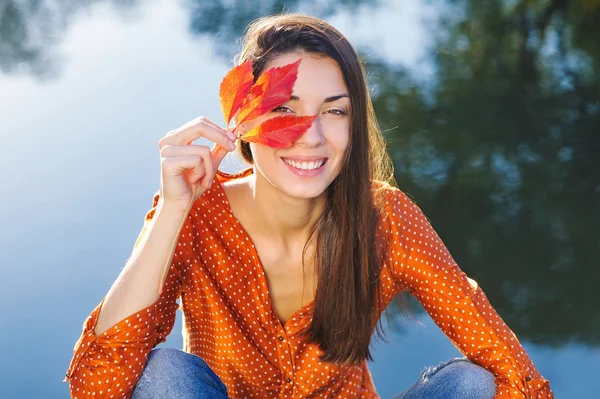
[231, 135]
[231, 145]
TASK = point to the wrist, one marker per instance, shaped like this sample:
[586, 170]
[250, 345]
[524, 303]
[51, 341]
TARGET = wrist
[172, 210]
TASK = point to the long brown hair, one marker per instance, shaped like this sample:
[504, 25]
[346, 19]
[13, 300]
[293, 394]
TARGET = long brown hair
[347, 303]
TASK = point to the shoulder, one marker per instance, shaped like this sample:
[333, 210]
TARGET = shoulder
[398, 211]
[389, 197]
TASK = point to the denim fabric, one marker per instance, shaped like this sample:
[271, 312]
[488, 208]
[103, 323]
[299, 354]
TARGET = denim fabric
[456, 378]
[175, 374]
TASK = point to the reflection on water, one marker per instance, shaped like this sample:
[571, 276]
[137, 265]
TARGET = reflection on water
[497, 144]
[504, 145]
[31, 30]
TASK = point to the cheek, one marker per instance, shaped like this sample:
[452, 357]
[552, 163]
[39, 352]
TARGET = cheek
[261, 153]
[340, 141]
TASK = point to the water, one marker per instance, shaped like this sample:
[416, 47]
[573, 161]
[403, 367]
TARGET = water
[499, 153]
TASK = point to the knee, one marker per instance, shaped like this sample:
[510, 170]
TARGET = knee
[173, 373]
[468, 380]
[164, 363]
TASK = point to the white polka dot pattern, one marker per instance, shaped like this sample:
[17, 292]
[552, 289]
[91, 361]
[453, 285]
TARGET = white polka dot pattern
[421, 264]
[229, 322]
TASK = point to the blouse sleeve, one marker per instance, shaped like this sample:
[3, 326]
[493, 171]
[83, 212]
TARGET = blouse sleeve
[110, 364]
[422, 265]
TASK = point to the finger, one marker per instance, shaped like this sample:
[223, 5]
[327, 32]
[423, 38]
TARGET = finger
[200, 150]
[232, 136]
[207, 162]
[218, 154]
[193, 122]
[205, 154]
[178, 150]
[214, 124]
[178, 165]
[196, 129]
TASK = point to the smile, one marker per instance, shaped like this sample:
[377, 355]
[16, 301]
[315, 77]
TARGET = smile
[305, 165]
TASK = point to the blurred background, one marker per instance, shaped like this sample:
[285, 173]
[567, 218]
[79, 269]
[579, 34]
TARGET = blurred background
[491, 110]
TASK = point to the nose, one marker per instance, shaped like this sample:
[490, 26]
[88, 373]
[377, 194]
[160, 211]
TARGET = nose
[313, 136]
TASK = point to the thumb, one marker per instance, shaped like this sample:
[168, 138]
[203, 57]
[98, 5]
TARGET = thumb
[218, 154]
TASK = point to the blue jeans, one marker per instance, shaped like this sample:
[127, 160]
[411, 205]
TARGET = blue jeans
[174, 374]
[452, 379]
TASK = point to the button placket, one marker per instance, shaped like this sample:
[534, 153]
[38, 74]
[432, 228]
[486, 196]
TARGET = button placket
[285, 357]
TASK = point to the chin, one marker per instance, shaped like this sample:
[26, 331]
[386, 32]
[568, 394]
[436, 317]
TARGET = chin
[308, 192]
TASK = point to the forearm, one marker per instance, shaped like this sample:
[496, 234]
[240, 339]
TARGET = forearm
[139, 283]
[456, 303]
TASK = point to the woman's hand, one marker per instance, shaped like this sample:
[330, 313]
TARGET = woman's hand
[187, 170]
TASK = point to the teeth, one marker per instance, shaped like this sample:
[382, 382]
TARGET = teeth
[305, 165]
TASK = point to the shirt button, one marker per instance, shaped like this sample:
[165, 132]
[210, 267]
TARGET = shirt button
[288, 380]
[528, 378]
[280, 338]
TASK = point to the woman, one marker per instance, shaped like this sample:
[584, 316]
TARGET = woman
[281, 286]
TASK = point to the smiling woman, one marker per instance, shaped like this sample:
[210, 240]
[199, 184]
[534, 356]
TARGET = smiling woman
[284, 269]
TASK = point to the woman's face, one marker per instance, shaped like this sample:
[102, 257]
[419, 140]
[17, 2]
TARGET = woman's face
[306, 169]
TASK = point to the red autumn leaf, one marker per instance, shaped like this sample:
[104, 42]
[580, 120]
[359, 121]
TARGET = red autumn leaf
[280, 131]
[271, 89]
[234, 89]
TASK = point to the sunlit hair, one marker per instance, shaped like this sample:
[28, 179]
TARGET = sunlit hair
[348, 264]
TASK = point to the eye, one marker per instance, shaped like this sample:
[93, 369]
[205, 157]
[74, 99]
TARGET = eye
[278, 108]
[339, 112]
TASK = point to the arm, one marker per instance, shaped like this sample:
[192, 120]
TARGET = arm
[139, 284]
[422, 264]
[136, 314]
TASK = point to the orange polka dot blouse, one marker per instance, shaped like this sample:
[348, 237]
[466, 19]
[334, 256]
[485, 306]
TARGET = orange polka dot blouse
[228, 320]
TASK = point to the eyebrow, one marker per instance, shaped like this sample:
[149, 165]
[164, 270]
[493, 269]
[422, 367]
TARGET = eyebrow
[327, 100]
